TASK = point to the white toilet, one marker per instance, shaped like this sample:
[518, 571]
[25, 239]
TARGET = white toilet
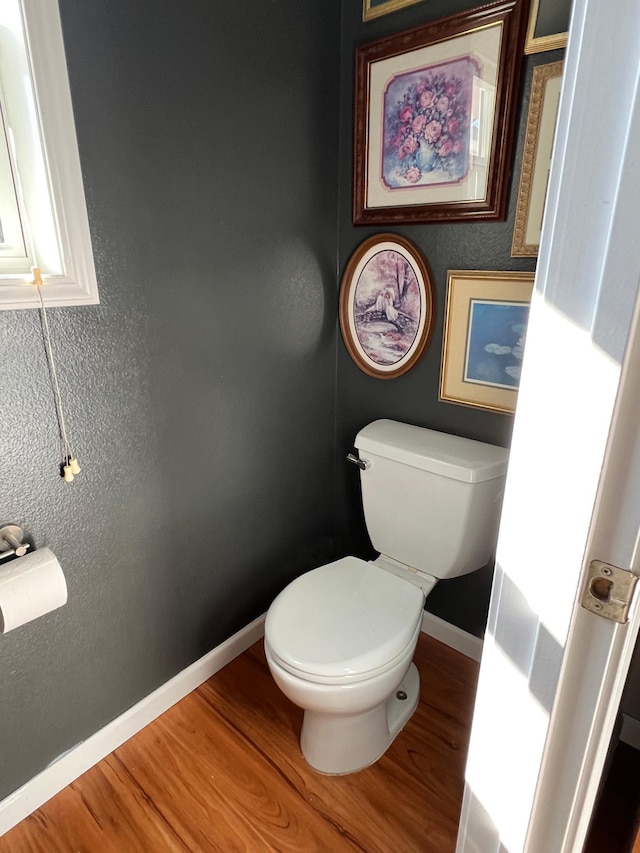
[340, 639]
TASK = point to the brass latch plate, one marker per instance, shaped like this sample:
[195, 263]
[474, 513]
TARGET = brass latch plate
[608, 591]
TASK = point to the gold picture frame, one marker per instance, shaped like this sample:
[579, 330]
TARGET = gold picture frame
[548, 25]
[536, 159]
[372, 10]
[485, 327]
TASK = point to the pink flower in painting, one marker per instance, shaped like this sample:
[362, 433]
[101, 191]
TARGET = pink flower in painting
[397, 139]
[426, 99]
[417, 125]
[408, 147]
[433, 131]
[426, 123]
[445, 148]
[453, 126]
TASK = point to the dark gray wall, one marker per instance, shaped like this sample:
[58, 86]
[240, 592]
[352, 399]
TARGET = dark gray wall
[200, 394]
[414, 397]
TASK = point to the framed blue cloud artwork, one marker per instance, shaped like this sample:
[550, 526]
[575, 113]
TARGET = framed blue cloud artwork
[496, 342]
[485, 332]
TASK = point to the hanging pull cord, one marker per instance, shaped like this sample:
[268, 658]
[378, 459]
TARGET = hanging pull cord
[69, 465]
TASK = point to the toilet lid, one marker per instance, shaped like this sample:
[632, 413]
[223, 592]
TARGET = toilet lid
[343, 619]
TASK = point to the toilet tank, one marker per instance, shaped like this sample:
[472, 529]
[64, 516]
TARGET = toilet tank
[431, 500]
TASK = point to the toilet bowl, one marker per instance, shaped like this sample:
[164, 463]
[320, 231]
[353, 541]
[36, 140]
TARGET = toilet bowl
[339, 642]
[340, 639]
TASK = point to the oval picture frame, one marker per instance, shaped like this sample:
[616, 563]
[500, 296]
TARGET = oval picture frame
[386, 306]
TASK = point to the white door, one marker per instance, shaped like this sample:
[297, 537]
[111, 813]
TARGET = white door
[552, 673]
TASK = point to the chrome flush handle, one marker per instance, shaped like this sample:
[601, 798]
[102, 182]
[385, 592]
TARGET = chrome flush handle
[363, 464]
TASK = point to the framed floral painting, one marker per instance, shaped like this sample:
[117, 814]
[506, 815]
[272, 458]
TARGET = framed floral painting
[386, 306]
[434, 116]
[485, 329]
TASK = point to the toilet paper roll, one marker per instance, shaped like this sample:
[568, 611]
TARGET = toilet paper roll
[30, 586]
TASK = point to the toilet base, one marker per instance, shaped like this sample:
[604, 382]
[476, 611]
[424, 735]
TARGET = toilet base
[336, 744]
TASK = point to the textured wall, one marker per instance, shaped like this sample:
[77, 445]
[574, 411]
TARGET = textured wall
[201, 392]
[468, 245]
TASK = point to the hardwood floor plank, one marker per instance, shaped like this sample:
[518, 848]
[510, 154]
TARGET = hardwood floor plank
[449, 677]
[424, 766]
[217, 793]
[222, 771]
[98, 813]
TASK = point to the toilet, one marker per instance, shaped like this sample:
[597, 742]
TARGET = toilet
[340, 639]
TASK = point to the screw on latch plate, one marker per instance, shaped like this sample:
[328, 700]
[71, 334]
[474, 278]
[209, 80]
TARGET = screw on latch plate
[608, 591]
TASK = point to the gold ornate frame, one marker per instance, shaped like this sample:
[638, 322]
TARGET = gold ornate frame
[553, 41]
[370, 12]
[464, 287]
[536, 158]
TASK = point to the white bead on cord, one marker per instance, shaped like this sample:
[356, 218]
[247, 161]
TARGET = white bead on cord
[69, 466]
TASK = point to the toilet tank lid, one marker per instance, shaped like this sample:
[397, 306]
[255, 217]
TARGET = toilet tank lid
[438, 452]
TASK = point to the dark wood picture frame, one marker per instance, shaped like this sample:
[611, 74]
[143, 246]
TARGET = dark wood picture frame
[386, 306]
[429, 53]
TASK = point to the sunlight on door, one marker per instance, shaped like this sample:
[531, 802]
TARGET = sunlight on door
[534, 590]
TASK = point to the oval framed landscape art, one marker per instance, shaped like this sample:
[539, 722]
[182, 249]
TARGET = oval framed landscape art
[386, 306]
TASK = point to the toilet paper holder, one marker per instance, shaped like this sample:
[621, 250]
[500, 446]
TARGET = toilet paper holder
[11, 541]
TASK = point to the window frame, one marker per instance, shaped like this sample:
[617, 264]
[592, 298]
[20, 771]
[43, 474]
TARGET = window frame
[74, 281]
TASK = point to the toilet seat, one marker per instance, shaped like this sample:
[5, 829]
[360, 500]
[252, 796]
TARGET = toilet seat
[343, 622]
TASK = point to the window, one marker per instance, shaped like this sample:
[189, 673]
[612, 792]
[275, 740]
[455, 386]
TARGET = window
[43, 216]
[12, 244]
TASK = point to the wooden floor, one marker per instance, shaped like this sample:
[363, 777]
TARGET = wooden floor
[222, 771]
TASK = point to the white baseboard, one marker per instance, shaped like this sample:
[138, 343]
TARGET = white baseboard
[452, 636]
[630, 732]
[80, 758]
